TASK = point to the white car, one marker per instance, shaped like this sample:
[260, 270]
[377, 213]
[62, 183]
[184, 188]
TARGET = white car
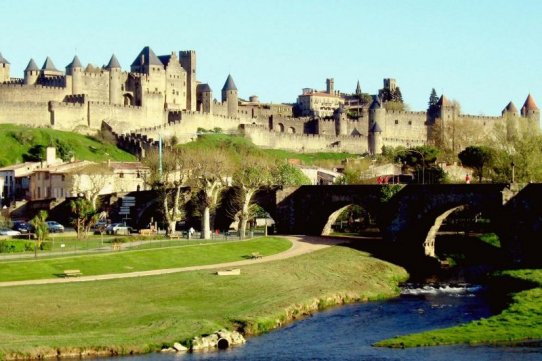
[118, 228]
[54, 227]
[9, 232]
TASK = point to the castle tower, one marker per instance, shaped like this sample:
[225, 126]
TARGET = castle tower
[229, 95]
[341, 121]
[530, 110]
[445, 109]
[146, 62]
[188, 62]
[49, 69]
[510, 110]
[4, 70]
[75, 70]
[31, 73]
[330, 86]
[375, 139]
[115, 96]
[377, 113]
[205, 98]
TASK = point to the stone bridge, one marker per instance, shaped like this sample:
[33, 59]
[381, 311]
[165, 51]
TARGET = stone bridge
[408, 217]
[411, 216]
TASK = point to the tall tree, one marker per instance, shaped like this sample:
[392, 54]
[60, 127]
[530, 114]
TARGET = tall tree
[397, 96]
[169, 179]
[433, 100]
[210, 171]
[251, 176]
[40, 228]
[476, 157]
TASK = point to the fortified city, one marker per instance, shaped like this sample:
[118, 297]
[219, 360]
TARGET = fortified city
[352, 176]
[161, 96]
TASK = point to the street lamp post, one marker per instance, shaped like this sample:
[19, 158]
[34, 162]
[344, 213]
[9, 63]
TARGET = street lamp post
[423, 163]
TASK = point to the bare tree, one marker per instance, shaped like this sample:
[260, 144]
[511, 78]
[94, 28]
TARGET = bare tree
[91, 180]
[210, 172]
[169, 180]
[251, 176]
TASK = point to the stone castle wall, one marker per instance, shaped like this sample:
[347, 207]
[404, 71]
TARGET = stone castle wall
[27, 113]
[265, 138]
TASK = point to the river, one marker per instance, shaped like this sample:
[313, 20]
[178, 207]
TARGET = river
[347, 332]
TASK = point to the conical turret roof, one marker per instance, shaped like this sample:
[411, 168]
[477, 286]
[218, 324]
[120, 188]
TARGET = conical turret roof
[147, 57]
[376, 103]
[444, 102]
[529, 103]
[49, 65]
[204, 88]
[76, 63]
[229, 84]
[375, 128]
[511, 108]
[32, 66]
[113, 63]
[3, 60]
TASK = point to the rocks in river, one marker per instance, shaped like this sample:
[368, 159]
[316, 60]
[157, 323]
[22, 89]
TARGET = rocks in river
[179, 348]
[221, 339]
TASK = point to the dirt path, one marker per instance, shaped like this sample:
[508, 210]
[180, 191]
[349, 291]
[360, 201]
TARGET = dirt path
[300, 245]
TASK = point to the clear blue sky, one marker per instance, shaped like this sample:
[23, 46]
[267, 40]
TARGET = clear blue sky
[482, 53]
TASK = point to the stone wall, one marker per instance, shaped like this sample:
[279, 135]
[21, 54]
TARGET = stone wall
[27, 113]
[265, 138]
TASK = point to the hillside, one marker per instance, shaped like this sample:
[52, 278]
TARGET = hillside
[19, 142]
[237, 146]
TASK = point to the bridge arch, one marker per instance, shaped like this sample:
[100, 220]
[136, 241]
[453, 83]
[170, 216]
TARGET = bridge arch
[415, 214]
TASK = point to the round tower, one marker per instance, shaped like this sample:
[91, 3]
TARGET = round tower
[115, 72]
[31, 73]
[375, 139]
[510, 110]
[377, 113]
[205, 98]
[4, 69]
[75, 70]
[530, 110]
[341, 121]
[229, 95]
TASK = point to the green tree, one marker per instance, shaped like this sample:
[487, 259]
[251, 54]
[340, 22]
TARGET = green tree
[85, 216]
[288, 175]
[397, 96]
[40, 228]
[476, 157]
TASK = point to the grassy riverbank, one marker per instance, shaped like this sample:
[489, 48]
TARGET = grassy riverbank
[141, 315]
[520, 322]
[142, 260]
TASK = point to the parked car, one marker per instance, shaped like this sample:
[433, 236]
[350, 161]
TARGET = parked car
[118, 228]
[23, 227]
[99, 227]
[9, 232]
[55, 227]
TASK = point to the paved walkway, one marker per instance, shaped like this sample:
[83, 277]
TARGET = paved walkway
[300, 245]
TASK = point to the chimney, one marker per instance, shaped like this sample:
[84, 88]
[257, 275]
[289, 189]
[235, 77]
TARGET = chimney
[50, 155]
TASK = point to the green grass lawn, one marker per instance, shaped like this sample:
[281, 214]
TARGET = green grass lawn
[143, 260]
[520, 321]
[142, 314]
[16, 140]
